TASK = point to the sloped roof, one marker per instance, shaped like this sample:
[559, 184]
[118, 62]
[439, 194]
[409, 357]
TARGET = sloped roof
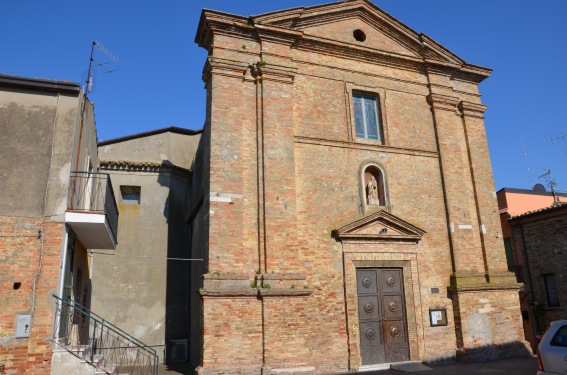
[171, 129]
[556, 207]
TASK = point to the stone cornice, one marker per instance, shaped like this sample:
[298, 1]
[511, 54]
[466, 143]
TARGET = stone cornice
[487, 287]
[133, 166]
[277, 34]
[358, 53]
[229, 292]
[303, 292]
[214, 20]
[365, 146]
[286, 27]
[255, 293]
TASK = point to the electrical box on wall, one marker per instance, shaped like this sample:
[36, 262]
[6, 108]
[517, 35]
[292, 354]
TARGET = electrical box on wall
[23, 326]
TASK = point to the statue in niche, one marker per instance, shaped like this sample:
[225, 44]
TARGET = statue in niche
[372, 191]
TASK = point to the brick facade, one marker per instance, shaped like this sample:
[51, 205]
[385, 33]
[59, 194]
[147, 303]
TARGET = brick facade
[540, 237]
[284, 202]
[28, 260]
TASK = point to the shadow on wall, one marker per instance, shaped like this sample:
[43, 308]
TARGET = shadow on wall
[177, 180]
[514, 349]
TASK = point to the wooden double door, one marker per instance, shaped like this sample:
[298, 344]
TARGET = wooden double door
[382, 315]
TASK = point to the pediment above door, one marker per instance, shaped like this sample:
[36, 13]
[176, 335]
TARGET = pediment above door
[379, 226]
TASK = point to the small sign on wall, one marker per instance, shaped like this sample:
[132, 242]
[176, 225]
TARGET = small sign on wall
[438, 317]
[23, 326]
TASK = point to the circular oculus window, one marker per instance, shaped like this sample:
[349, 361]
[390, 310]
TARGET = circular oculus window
[359, 35]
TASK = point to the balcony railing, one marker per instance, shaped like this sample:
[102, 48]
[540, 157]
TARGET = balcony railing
[100, 343]
[91, 193]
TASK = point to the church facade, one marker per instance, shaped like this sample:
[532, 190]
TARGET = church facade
[343, 199]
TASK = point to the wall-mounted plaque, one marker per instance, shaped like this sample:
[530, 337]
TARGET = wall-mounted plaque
[438, 317]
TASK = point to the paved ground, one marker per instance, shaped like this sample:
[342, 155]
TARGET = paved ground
[184, 369]
[518, 366]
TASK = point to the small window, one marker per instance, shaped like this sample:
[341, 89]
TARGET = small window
[367, 117]
[560, 337]
[130, 194]
[359, 35]
[550, 290]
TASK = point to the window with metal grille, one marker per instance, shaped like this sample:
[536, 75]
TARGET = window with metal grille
[367, 116]
[550, 290]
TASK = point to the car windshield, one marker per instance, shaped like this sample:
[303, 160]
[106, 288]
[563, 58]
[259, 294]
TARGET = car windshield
[560, 337]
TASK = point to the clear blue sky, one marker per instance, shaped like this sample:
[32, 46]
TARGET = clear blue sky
[158, 83]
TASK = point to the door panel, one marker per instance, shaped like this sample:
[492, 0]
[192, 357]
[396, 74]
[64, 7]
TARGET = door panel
[391, 281]
[368, 308]
[367, 281]
[381, 315]
[393, 307]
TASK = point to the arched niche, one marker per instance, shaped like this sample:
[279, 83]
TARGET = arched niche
[373, 186]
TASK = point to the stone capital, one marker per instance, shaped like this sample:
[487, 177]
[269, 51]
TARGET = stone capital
[443, 102]
[216, 65]
[469, 109]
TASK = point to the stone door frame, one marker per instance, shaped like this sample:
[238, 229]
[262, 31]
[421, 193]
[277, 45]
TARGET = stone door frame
[359, 255]
[384, 308]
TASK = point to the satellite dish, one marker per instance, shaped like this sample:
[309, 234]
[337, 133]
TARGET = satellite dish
[539, 188]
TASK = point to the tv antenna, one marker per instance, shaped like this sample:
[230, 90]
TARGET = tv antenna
[91, 74]
[557, 138]
[550, 183]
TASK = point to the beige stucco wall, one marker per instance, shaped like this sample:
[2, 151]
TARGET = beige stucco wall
[40, 132]
[137, 288]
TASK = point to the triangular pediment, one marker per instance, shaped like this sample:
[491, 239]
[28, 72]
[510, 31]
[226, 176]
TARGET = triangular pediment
[381, 226]
[330, 29]
[336, 22]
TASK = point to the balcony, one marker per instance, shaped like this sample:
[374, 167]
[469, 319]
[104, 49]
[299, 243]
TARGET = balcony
[91, 210]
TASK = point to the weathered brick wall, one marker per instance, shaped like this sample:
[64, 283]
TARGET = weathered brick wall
[285, 171]
[541, 238]
[235, 341]
[19, 260]
[490, 326]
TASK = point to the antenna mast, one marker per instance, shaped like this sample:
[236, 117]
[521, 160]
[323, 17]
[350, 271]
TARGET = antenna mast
[107, 53]
[527, 164]
[551, 183]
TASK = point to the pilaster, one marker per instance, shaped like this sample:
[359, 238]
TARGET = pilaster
[275, 75]
[467, 256]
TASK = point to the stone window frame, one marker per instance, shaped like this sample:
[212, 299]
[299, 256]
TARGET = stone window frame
[362, 183]
[380, 94]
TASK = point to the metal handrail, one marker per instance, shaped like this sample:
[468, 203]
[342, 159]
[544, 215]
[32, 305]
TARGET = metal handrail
[99, 342]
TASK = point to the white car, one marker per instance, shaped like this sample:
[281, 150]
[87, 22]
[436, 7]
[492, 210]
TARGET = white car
[552, 350]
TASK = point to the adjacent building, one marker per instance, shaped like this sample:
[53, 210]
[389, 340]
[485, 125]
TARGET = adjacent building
[513, 202]
[54, 206]
[533, 238]
[540, 237]
[143, 286]
[343, 199]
